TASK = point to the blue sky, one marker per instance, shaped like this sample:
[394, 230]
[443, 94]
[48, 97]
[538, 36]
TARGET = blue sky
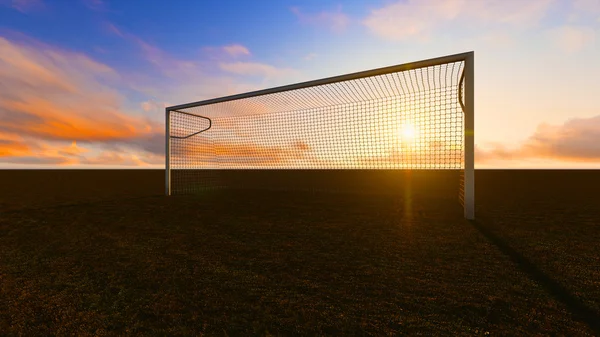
[86, 81]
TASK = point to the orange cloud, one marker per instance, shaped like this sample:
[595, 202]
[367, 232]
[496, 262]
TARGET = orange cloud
[51, 96]
[72, 150]
[45, 119]
[11, 148]
[17, 151]
[121, 158]
[576, 140]
[256, 154]
[206, 152]
[55, 153]
[209, 152]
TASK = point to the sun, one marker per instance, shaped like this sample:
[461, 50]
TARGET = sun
[408, 132]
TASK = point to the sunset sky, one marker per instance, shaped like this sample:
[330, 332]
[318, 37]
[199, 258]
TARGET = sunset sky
[84, 83]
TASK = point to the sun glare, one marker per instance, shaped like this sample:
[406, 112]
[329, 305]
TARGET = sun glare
[408, 132]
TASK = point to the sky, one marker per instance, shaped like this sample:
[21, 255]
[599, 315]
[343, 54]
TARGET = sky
[84, 83]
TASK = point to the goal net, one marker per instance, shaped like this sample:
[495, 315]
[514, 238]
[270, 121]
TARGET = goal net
[416, 116]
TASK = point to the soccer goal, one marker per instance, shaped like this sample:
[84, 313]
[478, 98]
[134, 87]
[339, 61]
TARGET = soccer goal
[413, 116]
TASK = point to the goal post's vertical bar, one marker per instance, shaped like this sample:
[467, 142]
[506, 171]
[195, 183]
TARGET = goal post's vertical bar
[167, 151]
[469, 174]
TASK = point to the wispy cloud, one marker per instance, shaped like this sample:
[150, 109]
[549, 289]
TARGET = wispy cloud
[310, 56]
[587, 5]
[211, 74]
[236, 50]
[96, 5]
[162, 61]
[24, 6]
[582, 10]
[111, 28]
[256, 69]
[123, 158]
[572, 39]
[37, 160]
[244, 154]
[404, 19]
[512, 12]
[336, 20]
[421, 18]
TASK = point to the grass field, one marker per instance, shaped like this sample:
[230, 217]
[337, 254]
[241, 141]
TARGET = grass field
[105, 253]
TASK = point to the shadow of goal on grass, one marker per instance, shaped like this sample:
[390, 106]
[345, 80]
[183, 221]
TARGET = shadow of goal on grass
[579, 310]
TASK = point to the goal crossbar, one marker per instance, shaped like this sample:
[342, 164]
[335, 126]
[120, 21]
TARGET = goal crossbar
[330, 80]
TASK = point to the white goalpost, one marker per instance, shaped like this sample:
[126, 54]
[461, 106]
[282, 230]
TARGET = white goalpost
[413, 116]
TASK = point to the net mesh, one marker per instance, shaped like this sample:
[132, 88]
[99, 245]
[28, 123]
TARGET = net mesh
[409, 119]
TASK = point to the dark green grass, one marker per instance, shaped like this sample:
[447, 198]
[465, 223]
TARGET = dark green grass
[265, 264]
